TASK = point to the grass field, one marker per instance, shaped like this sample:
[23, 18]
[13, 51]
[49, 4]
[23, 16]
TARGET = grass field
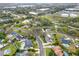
[49, 52]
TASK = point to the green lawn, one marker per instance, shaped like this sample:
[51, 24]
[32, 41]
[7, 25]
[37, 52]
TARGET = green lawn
[58, 36]
[35, 45]
[49, 52]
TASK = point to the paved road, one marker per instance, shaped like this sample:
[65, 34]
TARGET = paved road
[39, 44]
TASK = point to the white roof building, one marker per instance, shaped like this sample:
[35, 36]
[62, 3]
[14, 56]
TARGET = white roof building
[1, 46]
[9, 36]
[26, 21]
[34, 13]
[64, 15]
[44, 9]
[73, 15]
[69, 14]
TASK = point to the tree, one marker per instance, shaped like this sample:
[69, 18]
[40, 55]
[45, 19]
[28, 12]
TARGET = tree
[77, 52]
[2, 35]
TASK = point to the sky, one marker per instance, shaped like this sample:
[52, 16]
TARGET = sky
[39, 1]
